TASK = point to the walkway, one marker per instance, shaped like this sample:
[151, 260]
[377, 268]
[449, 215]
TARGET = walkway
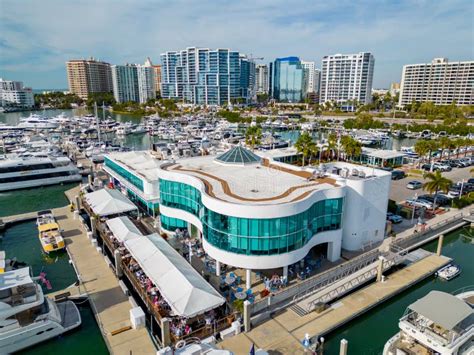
[110, 305]
[284, 332]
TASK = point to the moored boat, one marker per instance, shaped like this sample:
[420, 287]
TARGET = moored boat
[49, 233]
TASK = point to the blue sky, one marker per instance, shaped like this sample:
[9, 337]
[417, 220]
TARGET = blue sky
[37, 37]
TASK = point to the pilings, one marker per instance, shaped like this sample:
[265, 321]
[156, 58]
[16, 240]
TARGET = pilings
[440, 244]
[343, 347]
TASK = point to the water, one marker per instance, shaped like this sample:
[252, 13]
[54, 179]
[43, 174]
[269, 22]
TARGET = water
[21, 241]
[367, 334]
[34, 199]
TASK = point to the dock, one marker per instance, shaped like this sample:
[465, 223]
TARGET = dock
[18, 218]
[284, 332]
[110, 305]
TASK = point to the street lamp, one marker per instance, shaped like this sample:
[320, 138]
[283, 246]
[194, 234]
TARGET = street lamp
[415, 198]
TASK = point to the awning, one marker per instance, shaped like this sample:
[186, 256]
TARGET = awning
[15, 278]
[182, 287]
[108, 202]
[443, 309]
[123, 228]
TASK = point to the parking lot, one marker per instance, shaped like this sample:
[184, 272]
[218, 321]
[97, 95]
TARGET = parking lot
[399, 192]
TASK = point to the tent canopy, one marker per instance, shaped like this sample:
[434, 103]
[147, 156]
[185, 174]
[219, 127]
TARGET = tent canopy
[187, 293]
[443, 309]
[108, 202]
[123, 228]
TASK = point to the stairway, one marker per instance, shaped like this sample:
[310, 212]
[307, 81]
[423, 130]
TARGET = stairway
[299, 310]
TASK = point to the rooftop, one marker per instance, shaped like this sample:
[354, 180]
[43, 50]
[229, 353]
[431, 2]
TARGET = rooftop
[382, 153]
[142, 163]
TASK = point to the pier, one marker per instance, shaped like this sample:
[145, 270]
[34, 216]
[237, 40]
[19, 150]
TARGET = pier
[285, 331]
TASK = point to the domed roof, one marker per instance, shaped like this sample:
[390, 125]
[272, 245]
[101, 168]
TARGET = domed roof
[238, 155]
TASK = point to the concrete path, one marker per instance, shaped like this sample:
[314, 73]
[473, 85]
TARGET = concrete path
[110, 305]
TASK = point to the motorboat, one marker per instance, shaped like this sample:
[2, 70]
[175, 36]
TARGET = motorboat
[27, 316]
[49, 232]
[35, 121]
[438, 323]
[448, 272]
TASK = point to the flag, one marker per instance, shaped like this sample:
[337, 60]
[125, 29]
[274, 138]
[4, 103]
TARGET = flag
[252, 350]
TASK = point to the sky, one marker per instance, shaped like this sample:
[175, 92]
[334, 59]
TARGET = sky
[38, 37]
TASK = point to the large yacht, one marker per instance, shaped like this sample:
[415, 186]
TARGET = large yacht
[439, 323]
[18, 172]
[27, 317]
[35, 121]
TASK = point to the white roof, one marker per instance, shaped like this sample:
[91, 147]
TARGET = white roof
[107, 202]
[443, 309]
[183, 288]
[15, 278]
[123, 228]
[382, 153]
[141, 163]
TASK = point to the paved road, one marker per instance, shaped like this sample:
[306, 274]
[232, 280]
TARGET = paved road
[399, 192]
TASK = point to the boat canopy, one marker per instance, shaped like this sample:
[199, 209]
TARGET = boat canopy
[442, 308]
[182, 287]
[48, 227]
[14, 278]
[106, 202]
[123, 228]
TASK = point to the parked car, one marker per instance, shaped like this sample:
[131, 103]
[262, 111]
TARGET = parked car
[441, 200]
[414, 184]
[394, 218]
[442, 167]
[398, 174]
[420, 203]
[466, 161]
[470, 181]
[456, 163]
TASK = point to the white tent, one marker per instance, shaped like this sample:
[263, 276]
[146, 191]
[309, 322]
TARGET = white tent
[187, 293]
[108, 202]
[123, 228]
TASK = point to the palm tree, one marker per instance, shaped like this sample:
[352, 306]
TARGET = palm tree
[421, 148]
[332, 144]
[444, 143]
[253, 134]
[460, 142]
[351, 147]
[437, 182]
[306, 146]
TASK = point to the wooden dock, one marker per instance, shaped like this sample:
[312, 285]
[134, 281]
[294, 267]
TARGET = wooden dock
[18, 218]
[109, 304]
[284, 332]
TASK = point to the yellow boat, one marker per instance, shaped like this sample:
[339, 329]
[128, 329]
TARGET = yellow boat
[49, 233]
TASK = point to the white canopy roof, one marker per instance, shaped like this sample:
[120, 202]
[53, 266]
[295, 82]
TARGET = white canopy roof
[107, 202]
[15, 278]
[187, 293]
[443, 309]
[123, 228]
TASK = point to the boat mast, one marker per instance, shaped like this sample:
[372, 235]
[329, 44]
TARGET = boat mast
[97, 121]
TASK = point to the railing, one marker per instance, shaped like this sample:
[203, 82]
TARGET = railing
[207, 330]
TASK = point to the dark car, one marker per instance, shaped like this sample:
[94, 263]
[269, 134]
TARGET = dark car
[427, 167]
[441, 200]
[398, 174]
[470, 181]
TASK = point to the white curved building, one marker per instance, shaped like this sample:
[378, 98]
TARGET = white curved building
[254, 212]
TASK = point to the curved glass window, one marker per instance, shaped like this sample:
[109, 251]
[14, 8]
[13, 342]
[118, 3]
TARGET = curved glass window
[171, 224]
[127, 175]
[269, 236]
[182, 196]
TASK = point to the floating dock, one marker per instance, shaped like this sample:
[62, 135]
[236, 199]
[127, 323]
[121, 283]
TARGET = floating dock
[284, 332]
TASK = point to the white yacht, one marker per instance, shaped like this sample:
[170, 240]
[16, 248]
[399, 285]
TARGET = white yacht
[19, 172]
[439, 323]
[27, 317]
[35, 121]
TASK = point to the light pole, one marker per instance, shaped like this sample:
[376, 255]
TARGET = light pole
[415, 198]
[462, 186]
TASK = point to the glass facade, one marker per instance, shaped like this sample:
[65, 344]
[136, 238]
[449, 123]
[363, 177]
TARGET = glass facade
[252, 236]
[127, 175]
[151, 208]
[171, 224]
[288, 79]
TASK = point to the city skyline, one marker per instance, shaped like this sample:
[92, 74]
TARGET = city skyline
[35, 50]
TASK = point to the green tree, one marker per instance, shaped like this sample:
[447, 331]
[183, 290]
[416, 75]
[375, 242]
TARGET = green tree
[253, 135]
[351, 147]
[421, 148]
[106, 98]
[306, 146]
[436, 183]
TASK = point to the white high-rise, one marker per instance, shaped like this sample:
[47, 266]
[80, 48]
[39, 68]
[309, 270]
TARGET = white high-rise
[441, 82]
[262, 78]
[347, 77]
[309, 68]
[133, 82]
[13, 93]
[146, 82]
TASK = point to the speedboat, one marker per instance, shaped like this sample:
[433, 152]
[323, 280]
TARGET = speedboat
[27, 316]
[49, 233]
[35, 121]
[448, 272]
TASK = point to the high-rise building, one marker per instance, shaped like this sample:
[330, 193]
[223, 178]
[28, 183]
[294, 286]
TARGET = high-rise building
[440, 81]
[309, 83]
[288, 79]
[133, 82]
[262, 78]
[201, 76]
[88, 76]
[157, 72]
[347, 77]
[247, 79]
[14, 94]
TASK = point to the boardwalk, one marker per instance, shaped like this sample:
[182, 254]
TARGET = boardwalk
[111, 307]
[284, 332]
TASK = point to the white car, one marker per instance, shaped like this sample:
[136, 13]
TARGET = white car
[442, 167]
[420, 203]
[413, 185]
